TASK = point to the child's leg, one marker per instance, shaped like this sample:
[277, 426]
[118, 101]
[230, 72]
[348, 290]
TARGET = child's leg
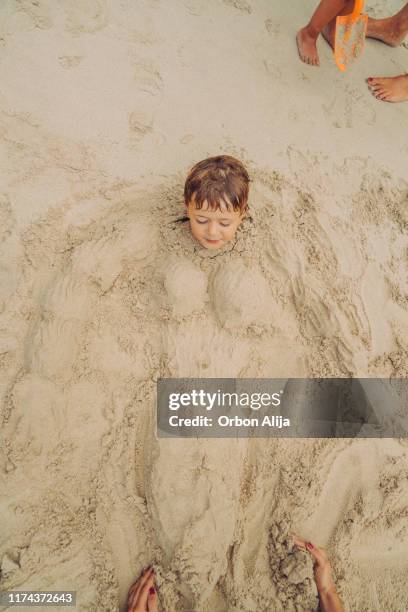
[322, 18]
[392, 30]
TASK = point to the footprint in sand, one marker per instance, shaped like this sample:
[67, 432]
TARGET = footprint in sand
[356, 318]
[317, 244]
[240, 5]
[149, 83]
[272, 68]
[85, 16]
[6, 217]
[350, 108]
[272, 26]
[285, 262]
[148, 78]
[37, 12]
[195, 7]
[187, 139]
[362, 109]
[315, 315]
[318, 316]
[70, 61]
[141, 123]
[319, 325]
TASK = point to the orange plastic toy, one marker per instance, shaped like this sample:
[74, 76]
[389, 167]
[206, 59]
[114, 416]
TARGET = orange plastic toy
[350, 36]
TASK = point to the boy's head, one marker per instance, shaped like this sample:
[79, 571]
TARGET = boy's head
[216, 199]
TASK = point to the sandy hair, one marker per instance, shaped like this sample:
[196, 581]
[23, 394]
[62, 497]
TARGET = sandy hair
[218, 180]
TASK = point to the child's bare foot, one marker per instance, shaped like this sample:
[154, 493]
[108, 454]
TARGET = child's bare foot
[306, 42]
[390, 89]
[390, 31]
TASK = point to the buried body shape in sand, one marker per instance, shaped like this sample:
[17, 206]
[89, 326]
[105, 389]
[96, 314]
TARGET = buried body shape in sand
[120, 296]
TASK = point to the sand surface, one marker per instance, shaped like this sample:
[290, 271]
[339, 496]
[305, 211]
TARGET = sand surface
[104, 106]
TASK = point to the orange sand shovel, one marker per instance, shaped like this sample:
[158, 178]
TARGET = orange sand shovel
[349, 36]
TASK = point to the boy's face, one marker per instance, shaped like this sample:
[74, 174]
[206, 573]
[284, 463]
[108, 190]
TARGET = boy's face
[213, 228]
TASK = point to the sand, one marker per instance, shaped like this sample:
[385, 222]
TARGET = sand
[104, 107]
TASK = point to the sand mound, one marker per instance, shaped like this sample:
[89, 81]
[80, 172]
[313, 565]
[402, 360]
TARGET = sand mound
[186, 287]
[241, 297]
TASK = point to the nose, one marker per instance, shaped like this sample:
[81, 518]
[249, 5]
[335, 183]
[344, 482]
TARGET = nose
[212, 230]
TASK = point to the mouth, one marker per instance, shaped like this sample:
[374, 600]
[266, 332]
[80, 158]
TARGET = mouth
[212, 241]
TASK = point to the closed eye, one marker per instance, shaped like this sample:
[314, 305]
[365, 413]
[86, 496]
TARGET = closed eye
[201, 222]
[225, 224]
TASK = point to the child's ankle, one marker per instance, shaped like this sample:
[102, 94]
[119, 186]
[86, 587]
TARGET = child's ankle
[311, 31]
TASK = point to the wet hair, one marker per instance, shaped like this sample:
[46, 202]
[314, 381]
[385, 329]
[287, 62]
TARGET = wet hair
[218, 180]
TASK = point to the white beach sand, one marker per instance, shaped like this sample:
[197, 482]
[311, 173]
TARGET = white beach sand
[104, 106]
